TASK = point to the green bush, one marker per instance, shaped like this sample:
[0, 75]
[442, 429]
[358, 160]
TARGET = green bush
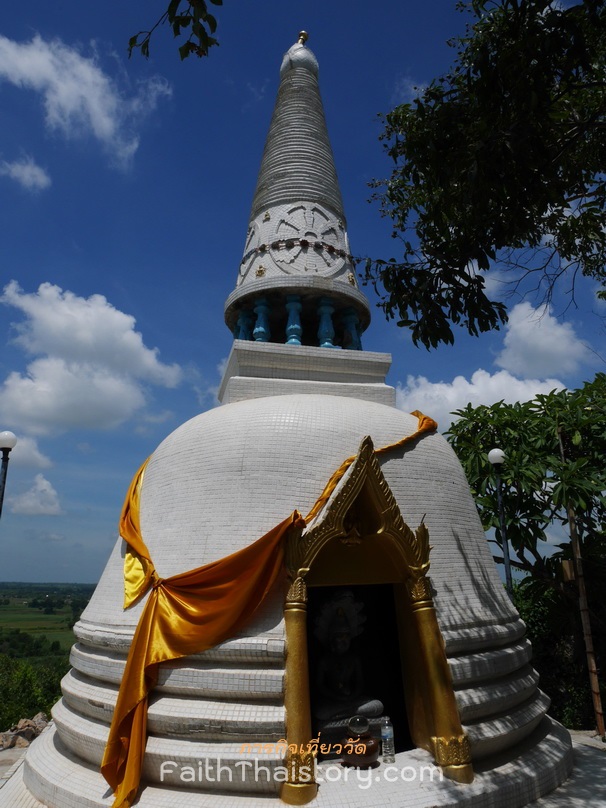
[29, 687]
[553, 627]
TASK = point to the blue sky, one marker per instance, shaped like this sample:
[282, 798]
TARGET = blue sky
[125, 188]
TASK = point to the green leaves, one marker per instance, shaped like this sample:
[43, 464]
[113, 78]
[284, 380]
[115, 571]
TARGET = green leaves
[181, 15]
[555, 447]
[500, 160]
[428, 299]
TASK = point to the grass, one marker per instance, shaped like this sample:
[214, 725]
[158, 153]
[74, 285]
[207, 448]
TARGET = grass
[19, 615]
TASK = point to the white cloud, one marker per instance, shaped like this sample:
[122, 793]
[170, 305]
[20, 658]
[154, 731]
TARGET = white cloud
[439, 399]
[150, 420]
[40, 500]
[27, 173]
[222, 366]
[79, 98]
[89, 363]
[536, 344]
[56, 396]
[406, 90]
[79, 329]
[27, 455]
[44, 537]
[256, 94]
[498, 283]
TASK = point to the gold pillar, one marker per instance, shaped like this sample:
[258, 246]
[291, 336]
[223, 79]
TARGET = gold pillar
[300, 786]
[450, 746]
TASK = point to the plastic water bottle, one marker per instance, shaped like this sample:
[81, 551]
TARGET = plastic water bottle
[388, 748]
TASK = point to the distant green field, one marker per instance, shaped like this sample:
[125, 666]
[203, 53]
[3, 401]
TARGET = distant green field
[35, 638]
[17, 614]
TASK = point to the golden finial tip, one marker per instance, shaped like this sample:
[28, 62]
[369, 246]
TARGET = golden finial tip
[303, 37]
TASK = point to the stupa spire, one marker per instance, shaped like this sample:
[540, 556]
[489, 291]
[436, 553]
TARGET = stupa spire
[297, 281]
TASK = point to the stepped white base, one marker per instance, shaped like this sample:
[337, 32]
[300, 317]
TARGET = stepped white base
[54, 778]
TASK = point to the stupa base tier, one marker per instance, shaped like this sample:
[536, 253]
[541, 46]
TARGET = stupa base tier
[53, 777]
[191, 676]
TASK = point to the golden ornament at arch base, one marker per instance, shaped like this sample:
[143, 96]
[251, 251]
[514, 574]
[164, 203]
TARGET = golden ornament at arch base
[297, 592]
[419, 589]
[452, 751]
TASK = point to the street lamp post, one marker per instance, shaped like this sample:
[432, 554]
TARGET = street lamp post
[8, 441]
[497, 458]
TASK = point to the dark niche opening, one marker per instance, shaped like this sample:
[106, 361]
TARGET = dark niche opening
[372, 652]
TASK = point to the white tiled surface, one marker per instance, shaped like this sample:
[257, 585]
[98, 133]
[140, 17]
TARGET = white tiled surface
[487, 737]
[500, 693]
[191, 676]
[240, 388]
[469, 668]
[87, 736]
[62, 782]
[179, 714]
[256, 370]
[226, 477]
[305, 363]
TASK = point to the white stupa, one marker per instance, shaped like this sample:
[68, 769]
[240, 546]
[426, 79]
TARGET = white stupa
[445, 655]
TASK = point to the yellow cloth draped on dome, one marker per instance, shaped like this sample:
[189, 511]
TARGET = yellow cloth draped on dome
[425, 424]
[187, 614]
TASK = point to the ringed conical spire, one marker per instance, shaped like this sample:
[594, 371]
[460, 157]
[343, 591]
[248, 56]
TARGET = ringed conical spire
[298, 162]
[297, 281]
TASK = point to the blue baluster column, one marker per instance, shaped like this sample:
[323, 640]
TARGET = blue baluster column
[294, 330]
[351, 327]
[261, 331]
[326, 331]
[243, 329]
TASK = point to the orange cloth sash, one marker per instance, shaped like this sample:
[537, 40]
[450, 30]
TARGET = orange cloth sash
[187, 614]
[425, 424]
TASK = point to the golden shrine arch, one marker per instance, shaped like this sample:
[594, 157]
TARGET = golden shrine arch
[359, 537]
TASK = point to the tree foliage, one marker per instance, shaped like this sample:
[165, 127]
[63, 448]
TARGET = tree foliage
[538, 483]
[29, 686]
[190, 16]
[18, 644]
[555, 447]
[500, 162]
[558, 653]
